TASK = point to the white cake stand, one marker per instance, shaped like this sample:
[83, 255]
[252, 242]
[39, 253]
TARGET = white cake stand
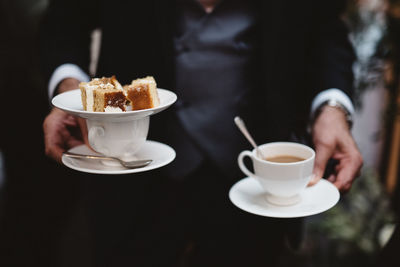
[71, 103]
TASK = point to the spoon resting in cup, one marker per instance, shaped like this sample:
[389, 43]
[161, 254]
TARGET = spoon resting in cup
[242, 127]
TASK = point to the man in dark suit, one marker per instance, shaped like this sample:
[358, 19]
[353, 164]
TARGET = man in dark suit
[272, 62]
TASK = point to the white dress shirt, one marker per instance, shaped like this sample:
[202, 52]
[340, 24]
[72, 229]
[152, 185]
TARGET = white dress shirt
[73, 71]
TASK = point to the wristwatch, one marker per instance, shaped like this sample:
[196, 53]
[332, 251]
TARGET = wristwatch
[335, 104]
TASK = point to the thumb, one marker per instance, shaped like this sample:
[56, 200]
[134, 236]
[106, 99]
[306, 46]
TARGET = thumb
[322, 154]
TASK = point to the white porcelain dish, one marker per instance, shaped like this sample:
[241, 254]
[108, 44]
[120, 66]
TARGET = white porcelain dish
[71, 103]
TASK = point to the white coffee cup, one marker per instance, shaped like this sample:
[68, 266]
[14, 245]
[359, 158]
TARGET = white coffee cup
[118, 138]
[282, 182]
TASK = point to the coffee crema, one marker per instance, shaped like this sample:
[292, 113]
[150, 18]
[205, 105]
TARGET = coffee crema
[284, 159]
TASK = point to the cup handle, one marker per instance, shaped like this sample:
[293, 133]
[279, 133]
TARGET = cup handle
[241, 163]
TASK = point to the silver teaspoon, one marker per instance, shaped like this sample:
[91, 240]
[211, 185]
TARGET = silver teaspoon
[242, 127]
[127, 164]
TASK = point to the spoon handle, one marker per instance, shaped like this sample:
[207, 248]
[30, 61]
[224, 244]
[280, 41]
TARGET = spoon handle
[75, 155]
[242, 127]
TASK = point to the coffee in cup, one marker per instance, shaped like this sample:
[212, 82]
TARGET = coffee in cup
[284, 159]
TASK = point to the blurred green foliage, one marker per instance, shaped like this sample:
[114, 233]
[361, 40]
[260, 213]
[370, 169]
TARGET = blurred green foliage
[351, 233]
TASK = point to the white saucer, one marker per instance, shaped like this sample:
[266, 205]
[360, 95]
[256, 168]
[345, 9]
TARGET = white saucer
[71, 102]
[161, 155]
[248, 195]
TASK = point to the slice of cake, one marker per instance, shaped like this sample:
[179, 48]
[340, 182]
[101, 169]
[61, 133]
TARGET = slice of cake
[103, 95]
[142, 93]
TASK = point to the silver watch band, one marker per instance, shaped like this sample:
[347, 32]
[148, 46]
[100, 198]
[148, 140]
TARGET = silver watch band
[335, 104]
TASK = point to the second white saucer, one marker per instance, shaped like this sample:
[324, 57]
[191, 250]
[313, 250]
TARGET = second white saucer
[248, 195]
[160, 153]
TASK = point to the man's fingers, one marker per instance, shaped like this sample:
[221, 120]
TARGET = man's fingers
[345, 178]
[314, 180]
[350, 167]
[55, 153]
[349, 170]
[70, 121]
[73, 142]
[58, 128]
[331, 178]
[322, 155]
[84, 131]
[53, 148]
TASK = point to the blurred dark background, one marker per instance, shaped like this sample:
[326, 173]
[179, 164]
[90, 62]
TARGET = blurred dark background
[39, 200]
[43, 221]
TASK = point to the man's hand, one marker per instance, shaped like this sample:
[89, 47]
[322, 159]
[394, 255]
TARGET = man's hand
[332, 139]
[61, 130]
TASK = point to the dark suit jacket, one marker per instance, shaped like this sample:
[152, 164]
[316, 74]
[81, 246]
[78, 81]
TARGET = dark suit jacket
[304, 49]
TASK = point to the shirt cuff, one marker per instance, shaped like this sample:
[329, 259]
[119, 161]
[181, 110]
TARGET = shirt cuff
[332, 94]
[66, 71]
